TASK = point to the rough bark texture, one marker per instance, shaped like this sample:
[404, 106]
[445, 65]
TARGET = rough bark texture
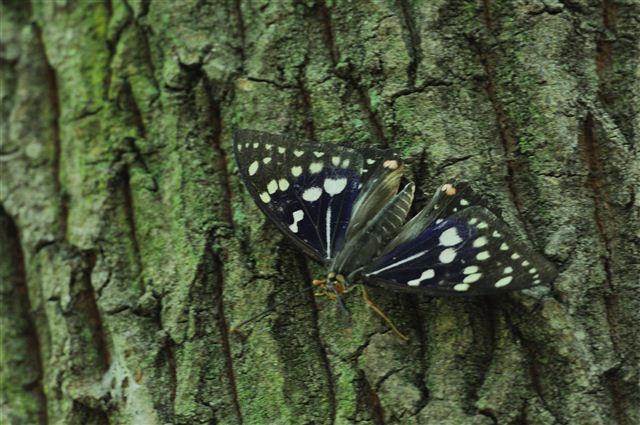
[129, 245]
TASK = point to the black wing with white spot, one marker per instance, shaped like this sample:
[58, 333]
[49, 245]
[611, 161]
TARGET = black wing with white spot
[307, 190]
[450, 198]
[373, 159]
[467, 252]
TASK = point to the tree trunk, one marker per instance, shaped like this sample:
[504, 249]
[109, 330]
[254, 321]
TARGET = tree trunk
[130, 246]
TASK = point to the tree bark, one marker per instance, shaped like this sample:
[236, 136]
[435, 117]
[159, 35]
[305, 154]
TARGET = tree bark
[130, 246]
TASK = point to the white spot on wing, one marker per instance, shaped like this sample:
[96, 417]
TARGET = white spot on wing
[427, 274]
[283, 184]
[464, 202]
[281, 150]
[315, 167]
[264, 196]
[483, 225]
[450, 237]
[267, 160]
[508, 270]
[470, 270]
[504, 247]
[515, 256]
[297, 217]
[346, 163]
[334, 186]
[483, 255]
[461, 287]
[312, 194]
[318, 154]
[472, 278]
[253, 168]
[503, 282]
[296, 171]
[447, 255]
[335, 161]
[371, 161]
[272, 186]
[298, 153]
[481, 241]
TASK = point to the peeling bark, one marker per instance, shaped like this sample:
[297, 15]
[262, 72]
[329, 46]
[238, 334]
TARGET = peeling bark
[129, 245]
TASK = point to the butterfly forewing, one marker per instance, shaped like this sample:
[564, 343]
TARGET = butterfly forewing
[470, 252]
[373, 159]
[307, 190]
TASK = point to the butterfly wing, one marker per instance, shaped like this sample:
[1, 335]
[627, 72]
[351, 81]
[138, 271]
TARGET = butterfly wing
[307, 190]
[462, 249]
[450, 198]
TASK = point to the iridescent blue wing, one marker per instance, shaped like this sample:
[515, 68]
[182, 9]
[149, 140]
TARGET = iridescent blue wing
[466, 252]
[308, 190]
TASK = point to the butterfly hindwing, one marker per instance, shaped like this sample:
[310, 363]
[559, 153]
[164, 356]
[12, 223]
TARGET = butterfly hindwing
[307, 190]
[471, 252]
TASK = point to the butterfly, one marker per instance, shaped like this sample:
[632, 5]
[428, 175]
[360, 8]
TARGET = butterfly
[345, 209]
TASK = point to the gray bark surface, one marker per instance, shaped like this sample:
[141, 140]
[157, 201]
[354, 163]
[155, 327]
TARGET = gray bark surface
[130, 246]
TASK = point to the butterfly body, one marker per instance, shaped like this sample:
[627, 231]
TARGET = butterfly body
[345, 209]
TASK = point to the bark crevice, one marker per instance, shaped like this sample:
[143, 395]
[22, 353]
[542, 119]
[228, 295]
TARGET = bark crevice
[223, 328]
[13, 252]
[488, 60]
[596, 182]
[222, 163]
[342, 71]
[408, 15]
[306, 102]
[87, 302]
[322, 351]
[54, 100]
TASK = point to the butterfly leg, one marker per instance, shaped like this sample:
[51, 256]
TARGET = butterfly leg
[323, 292]
[334, 292]
[380, 313]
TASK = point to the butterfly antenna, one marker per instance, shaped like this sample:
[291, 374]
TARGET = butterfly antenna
[380, 313]
[260, 315]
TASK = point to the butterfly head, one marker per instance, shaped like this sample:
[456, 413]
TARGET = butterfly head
[332, 286]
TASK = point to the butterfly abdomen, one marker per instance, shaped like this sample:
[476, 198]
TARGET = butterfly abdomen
[379, 231]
